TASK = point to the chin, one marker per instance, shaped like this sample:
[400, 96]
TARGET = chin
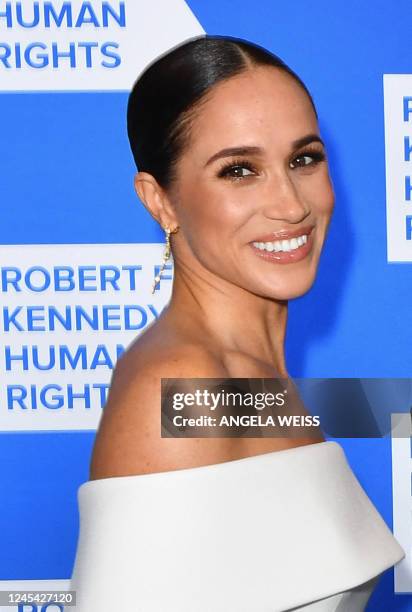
[287, 290]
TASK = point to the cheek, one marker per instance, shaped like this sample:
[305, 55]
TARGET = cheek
[328, 199]
[213, 214]
[320, 193]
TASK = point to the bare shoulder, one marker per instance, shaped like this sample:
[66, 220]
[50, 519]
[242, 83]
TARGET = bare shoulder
[129, 439]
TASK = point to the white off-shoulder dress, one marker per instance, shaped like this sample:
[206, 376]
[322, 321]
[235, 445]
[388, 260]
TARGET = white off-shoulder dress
[285, 530]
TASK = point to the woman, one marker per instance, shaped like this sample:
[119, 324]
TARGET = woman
[231, 164]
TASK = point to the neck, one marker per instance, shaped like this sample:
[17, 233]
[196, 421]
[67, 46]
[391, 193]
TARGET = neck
[232, 318]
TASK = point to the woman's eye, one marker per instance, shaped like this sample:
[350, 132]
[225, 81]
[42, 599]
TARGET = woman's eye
[236, 171]
[302, 159]
[307, 160]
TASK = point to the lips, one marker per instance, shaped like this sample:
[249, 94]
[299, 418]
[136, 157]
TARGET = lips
[285, 256]
[285, 234]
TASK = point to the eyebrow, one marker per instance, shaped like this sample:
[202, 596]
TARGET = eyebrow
[253, 150]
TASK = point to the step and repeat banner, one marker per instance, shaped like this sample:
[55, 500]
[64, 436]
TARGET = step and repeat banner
[78, 251]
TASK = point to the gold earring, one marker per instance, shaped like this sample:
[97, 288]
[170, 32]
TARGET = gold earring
[166, 256]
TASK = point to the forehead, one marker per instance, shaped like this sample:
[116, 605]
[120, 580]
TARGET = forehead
[264, 103]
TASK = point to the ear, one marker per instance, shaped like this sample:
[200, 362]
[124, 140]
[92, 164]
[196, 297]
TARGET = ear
[155, 199]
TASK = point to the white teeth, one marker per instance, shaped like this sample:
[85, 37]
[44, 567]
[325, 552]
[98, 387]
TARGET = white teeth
[281, 245]
[286, 245]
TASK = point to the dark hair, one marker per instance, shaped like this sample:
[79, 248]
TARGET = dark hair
[166, 95]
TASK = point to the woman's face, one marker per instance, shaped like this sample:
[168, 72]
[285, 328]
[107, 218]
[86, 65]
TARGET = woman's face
[233, 207]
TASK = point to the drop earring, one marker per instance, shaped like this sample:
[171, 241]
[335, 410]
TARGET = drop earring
[166, 256]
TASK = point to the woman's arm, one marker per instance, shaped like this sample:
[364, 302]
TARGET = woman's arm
[129, 439]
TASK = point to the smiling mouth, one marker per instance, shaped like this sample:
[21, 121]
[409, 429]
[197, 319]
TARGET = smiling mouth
[285, 250]
[282, 245]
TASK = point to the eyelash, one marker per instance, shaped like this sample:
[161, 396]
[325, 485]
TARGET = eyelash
[317, 156]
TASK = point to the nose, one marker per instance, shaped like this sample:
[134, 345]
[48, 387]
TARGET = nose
[284, 200]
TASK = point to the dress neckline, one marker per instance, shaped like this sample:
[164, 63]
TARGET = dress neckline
[222, 465]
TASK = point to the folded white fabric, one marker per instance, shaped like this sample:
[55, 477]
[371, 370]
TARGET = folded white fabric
[266, 533]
